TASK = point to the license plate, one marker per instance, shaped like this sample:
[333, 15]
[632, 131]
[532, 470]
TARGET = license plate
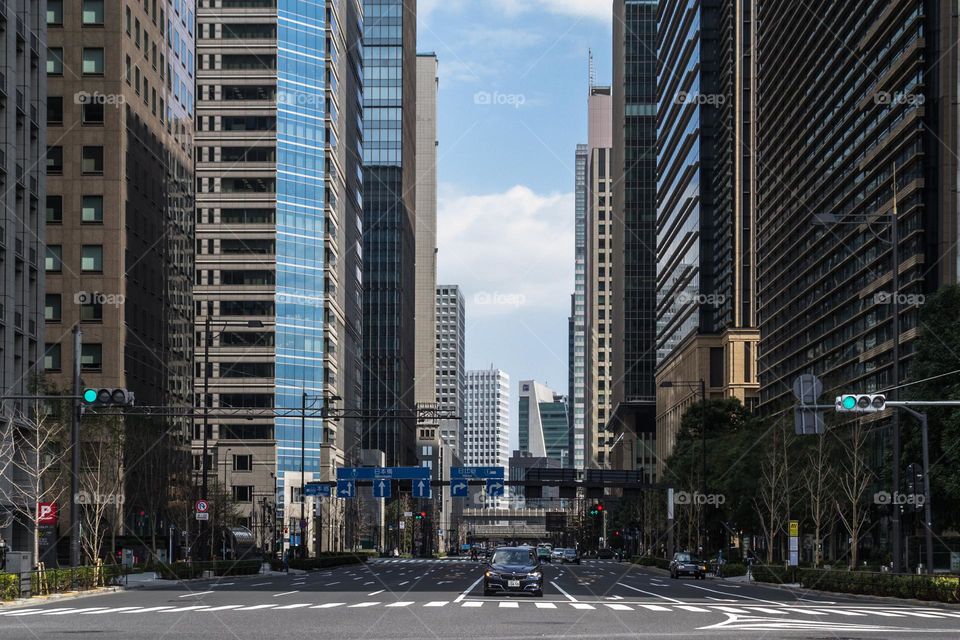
[513, 583]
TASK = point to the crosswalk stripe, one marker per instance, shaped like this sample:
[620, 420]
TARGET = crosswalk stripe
[509, 605]
[223, 607]
[16, 611]
[690, 607]
[731, 610]
[580, 605]
[919, 614]
[149, 610]
[471, 604]
[778, 612]
[108, 610]
[258, 606]
[809, 612]
[181, 609]
[619, 607]
[883, 614]
[546, 605]
[61, 612]
[28, 612]
[437, 603]
[299, 606]
[362, 605]
[654, 607]
[328, 605]
[841, 612]
[400, 604]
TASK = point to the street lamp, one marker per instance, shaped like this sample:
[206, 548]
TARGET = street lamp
[668, 384]
[208, 337]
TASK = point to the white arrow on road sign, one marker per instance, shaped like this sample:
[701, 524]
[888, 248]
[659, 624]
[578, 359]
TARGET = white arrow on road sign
[421, 489]
[494, 488]
[458, 490]
[346, 488]
[382, 489]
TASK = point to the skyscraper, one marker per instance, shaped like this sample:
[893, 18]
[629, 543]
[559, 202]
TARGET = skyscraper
[426, 237]
[278, 271]
[486, 426]
[576, 361]
[389, 173]
[543, 422]
[23, 107]
[706, 314]
[634, 233]
[875, 135]
[451, 361]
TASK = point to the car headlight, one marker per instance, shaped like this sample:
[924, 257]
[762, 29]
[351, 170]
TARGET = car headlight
[535, 574]
[491, 574]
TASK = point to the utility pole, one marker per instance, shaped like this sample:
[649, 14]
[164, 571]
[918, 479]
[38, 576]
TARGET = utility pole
[204, 463]
[303, 474]
[894, 300]
[77, 407]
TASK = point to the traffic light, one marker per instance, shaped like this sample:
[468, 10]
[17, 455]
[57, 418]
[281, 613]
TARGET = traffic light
[861, 403]
[596, 510]
[421, 515]
[108, 398]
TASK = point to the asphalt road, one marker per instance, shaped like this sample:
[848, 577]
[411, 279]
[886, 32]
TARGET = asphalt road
[443, 599]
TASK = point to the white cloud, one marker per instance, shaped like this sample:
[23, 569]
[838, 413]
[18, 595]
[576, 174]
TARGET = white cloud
[590, 9]
[511, 252]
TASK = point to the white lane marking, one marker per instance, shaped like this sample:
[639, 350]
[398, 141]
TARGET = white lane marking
[285, 593]
[258, 606]
[437, 603]
[362, 605]
[472, 604]
[108, 610]
[732, 610]
[654, 607]
[841, 612]
[779, 612]
[560, 589]
[371, 582]
[403, 583]
[509, 605]
[543, 605]
[149, 609]
[618, 607]
[650, 593]
[883, 614]
[400, 604]
[33, 612]
[328, 605]
[224, 607]
[688, 607]
[693, 586]
[14, 611]
[469, 589]
[809, 612]
[949, 614]
[60, 612]
[193, 608]
[915, 613]
[260, 584]
[223, 584]
[198, 593]
[331, 584]
[581, 605]
[376, 593]
[293, 606]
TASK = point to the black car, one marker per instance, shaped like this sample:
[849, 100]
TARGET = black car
[605, 554]
[513, 570]
[685, 564]
[570, 555]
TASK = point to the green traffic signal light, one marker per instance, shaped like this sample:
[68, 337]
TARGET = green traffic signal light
[849, 402]
[89, 396]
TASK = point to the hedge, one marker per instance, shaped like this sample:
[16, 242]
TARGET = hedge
[734, 569]
[776, 574]
[187, 570]
[9, 586]
[652, 561]
[324, 560]
[917, 587]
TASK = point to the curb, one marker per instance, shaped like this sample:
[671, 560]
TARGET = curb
[924, 603]
[56, 597]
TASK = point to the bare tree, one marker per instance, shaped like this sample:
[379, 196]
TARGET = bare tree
[771, 501]
[33, 447]
[101, 497]
[818, 484]
[854, 480]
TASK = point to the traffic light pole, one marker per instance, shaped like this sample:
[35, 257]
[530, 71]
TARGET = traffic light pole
[895, 479]
[75, 451]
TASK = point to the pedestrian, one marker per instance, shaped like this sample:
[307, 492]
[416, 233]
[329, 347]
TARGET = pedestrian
[286, 561]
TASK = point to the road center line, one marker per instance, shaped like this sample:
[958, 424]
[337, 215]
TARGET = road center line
[469, 589]
[560, 589]
[650, 593]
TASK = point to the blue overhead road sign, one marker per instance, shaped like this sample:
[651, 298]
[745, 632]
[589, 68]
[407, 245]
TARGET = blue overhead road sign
[421, 488]
[458, 488]
[374, 473]
[476, 472]
[381, 488]
[316, 489]
[346, 489]
[494, 487]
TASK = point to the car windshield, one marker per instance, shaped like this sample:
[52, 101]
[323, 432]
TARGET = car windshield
[511, 556]
[685, 557]
[570, 552]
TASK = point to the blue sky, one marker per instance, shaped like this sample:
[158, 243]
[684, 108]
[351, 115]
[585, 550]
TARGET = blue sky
[512, 108]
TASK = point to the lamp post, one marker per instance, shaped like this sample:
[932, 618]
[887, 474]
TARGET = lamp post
[702, 386]
[208, 337]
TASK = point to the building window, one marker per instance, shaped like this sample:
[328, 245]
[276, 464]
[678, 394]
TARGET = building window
[54, 13]
[92, 61]
[52, 307]
[243, 463]
[55, 160]
[54, 109]
[243, 493]
[92, 259]
[51, 357]
[55, 61]
[53, 262]
[93, 12]
[92, 113]
[92, 210]
[54, 209]
[91, 311]
[92, 161]
[91, 357]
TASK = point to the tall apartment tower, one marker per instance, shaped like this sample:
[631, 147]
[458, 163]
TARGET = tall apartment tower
[634, 234]
[426, 230]
[874, 136]
[389, 220]
[576, 361]
[451, 361]
[543, 422]
[23, 33]
[599, 257]
[706, 313]
[278, 267]
[486, 427]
